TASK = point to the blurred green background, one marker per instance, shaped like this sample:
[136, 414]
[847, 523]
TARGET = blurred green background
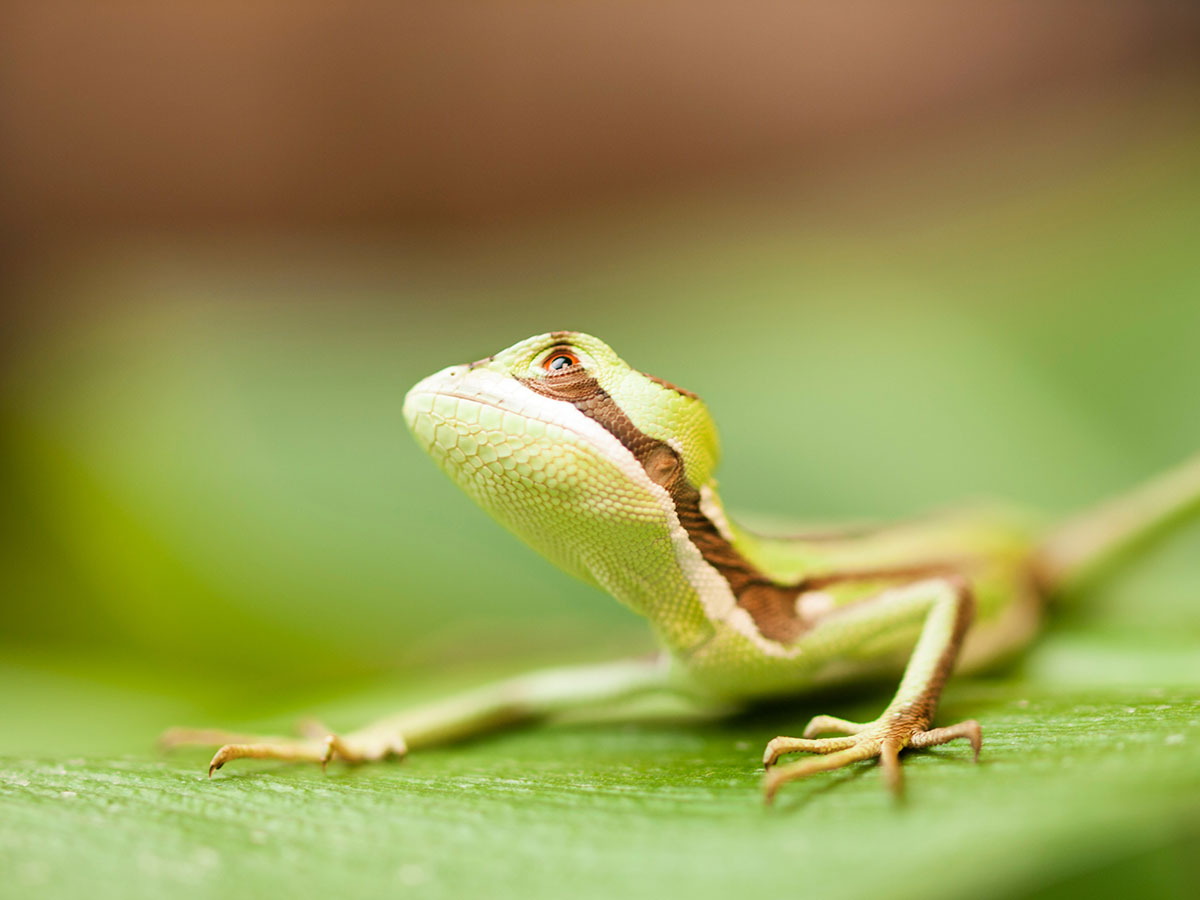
[905, 260]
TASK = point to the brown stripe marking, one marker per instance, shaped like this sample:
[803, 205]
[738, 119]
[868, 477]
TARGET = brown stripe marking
[770, 604]
[672, 387]
[920, 709]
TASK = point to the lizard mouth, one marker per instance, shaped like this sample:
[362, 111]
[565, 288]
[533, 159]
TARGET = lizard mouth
[438, 402]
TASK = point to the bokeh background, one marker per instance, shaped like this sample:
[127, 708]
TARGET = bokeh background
[908, 254]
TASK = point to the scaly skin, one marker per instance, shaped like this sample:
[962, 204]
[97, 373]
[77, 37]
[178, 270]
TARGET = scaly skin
[608, 472]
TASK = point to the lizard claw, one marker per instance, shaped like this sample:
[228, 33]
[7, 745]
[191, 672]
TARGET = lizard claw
[314, 747]
[884, 738]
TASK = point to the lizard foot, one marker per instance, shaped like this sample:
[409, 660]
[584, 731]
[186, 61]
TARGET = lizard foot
[884, 738]
[317, 744]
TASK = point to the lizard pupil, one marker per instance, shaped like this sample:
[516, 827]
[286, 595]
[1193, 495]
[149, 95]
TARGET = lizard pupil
[560, 361]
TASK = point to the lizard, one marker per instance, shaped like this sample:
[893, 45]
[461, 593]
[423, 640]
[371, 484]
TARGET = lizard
[609, 473]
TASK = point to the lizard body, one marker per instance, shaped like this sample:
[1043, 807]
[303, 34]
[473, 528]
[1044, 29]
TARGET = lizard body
[609, 473]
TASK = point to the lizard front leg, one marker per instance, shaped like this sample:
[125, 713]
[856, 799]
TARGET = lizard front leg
[509, 702]
[946, 605]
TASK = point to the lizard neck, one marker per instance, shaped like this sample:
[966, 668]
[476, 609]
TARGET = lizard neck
[780, 560]
[737, 578]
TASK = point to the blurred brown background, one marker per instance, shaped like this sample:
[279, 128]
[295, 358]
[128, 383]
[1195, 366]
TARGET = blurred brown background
[293, 113]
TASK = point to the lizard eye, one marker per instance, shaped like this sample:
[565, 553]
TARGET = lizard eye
[558, 359]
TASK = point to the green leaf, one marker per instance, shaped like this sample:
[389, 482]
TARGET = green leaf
[1083, 782]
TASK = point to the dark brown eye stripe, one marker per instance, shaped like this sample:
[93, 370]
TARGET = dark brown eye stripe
[577, 387]
[770, 604]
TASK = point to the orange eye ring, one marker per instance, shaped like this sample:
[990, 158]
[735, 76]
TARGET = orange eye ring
[558, 359]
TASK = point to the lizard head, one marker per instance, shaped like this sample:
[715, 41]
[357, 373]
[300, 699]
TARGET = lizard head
[568, 446]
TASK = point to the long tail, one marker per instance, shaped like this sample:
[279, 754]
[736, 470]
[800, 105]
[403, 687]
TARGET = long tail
[1086, 546]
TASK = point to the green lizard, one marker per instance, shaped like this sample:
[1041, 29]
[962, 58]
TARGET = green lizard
[608, 472]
